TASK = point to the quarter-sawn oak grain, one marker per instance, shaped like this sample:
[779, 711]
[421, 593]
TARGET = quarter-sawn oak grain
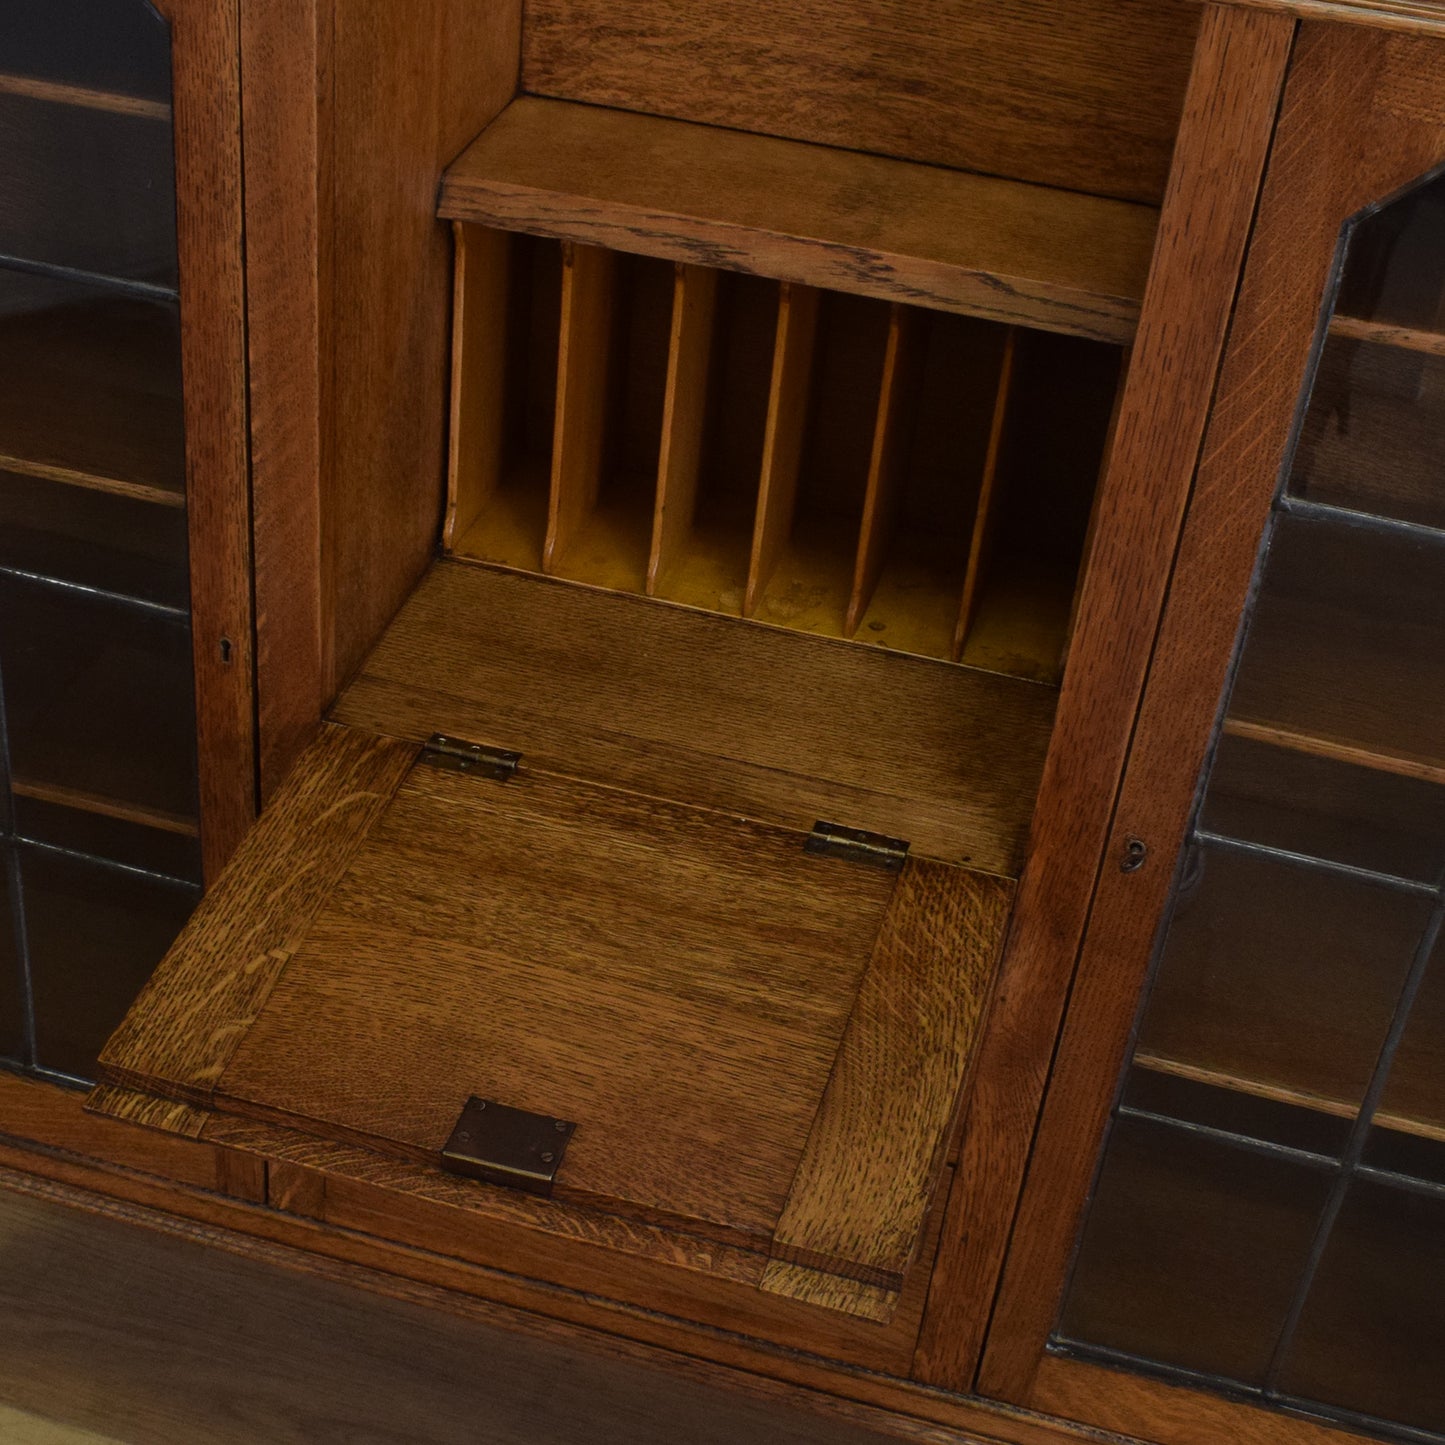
[808, 214]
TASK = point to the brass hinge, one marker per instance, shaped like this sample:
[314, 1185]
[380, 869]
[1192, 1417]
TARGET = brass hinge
[834, 841]
[500, 1145]
[444, 752]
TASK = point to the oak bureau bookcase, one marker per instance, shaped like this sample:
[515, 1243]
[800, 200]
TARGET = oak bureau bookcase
[836, 614]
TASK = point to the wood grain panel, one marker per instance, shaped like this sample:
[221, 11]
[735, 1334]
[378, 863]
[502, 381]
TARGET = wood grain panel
[584, 360]
[1229, 119]
[479, 361]
[686, 705]
[901, 362]
[820, 217]
[798, 1347]
[1334, 154]
[403, 91]
[985, 522]
[674, 982]
[129, 1306]
[1421, 17]
[192, 1014]
[874, 1154]
[169, 1116]
[54, 1118]
[663, 1271]
[689, 355]
[1084, 94]
[283, 54]
[207, 135]
[783, 439]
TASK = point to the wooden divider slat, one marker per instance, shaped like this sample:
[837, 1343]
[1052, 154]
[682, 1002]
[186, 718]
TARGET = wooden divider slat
[986, 518]
[582, 388]
[783, 439]
[694, 305]
[885, 465]
[479, 373]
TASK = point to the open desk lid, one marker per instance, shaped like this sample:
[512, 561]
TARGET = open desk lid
[748, 1041]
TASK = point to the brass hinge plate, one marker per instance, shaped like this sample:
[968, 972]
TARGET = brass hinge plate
[444, 752]
[834, 841]
[511, 1147]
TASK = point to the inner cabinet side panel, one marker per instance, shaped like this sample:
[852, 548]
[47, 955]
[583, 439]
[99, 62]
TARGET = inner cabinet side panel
[1230, 112]
[350, 453]
[1355, 127]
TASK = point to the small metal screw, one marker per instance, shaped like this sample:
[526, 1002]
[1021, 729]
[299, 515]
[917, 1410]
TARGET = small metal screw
[548, 1157]
[481, 1104]
[463, 1135]
[1136, 850]
[560, 1125]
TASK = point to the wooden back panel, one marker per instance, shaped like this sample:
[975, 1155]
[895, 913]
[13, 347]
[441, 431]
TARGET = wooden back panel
[1083, 94]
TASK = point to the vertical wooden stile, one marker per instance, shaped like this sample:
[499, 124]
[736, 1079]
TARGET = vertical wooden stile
[479, 374]
[694, 305]
[783, 439]
[582, 394]
[1104, 461]
[986, 519]
[886, 463]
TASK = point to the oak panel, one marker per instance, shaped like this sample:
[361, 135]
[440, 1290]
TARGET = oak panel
[820, 217]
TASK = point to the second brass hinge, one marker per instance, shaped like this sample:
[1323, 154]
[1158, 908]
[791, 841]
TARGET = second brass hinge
[834, 841]
[445, 752]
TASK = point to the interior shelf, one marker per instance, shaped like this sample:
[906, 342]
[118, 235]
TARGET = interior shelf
[34, 87]
[1420, 1125]
[1388, 333]
[808, 459]
[1341, 658]
[90, 390]
[810, 214]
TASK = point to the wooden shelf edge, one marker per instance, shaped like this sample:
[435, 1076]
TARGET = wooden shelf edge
[953, 241]
[90, 481]
[1385, 333]
[1283, 1094]
[63, 93]
[104, 807]
[1295, 740]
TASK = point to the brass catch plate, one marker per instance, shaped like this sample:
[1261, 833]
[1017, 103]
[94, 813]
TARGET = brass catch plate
[501, 1145]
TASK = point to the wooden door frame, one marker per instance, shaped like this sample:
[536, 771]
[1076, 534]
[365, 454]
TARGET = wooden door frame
[1363, 119]
[1229, 115]
[206, 111]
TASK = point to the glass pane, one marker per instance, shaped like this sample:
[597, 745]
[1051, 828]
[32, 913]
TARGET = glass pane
[173, 851]
[1374, 440]
[90, 382]
[100, 702]
[1396, 269]
[87, 187]
[1296, 1004]
[1280, 978]
[12, 1022]
[1347, 645]
[1414, 1095]
[122, 45]
[1191, 1251]
[94, 539]
[1150, 1088]
[1373, 1328]
[1325, 808]
[96, 934]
